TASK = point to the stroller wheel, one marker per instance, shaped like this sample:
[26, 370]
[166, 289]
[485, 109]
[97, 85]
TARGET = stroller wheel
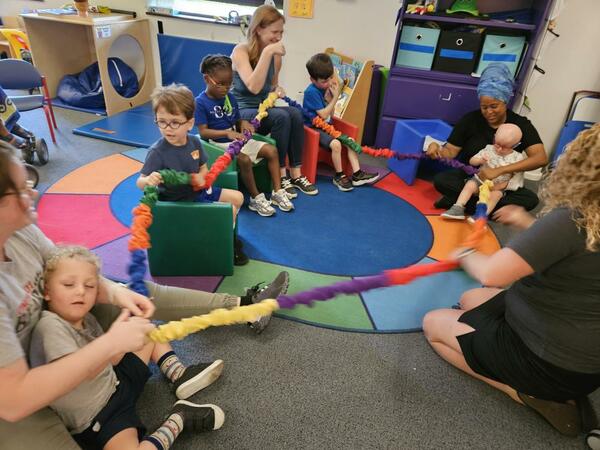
[28, 154]
[32, 174]
[41, 150]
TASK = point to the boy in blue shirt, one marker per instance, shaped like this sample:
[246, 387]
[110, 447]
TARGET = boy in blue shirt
[320, 98]
[179, 150]
[218, 120]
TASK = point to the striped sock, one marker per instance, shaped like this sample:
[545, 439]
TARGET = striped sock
[171, 366]
[164, 437]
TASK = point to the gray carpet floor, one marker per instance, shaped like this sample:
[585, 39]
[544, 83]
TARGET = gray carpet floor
[302, 387]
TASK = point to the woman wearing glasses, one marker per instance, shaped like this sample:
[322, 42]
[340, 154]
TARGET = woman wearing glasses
[476, 130]
[25, 420]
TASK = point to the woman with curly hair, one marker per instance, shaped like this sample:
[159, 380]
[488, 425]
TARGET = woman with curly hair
[538, 340]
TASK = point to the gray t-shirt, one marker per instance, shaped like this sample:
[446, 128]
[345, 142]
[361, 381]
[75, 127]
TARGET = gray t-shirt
[54, 338]
[556, 311]
[21, 297]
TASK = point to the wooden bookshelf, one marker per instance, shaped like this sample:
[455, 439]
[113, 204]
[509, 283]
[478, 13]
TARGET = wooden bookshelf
[354, 109]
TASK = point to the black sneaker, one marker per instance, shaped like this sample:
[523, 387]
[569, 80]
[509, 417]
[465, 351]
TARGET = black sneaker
[443, 203]
[361, 177]
[239, 257]
[304, 185]
[199, 418]
[196, 378]
[277, 287]
[342, 182]
[288, 187]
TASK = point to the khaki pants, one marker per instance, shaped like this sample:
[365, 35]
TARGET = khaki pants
[43, 429]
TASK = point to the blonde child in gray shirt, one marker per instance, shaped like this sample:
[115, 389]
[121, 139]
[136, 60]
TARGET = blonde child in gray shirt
[100, 413]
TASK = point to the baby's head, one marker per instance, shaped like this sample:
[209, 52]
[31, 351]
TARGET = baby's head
[320, 69]
[507, 137]
[71, 278]
[218, 75]
[173, 107]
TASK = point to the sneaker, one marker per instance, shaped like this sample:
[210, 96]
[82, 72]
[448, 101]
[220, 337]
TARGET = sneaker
[199, 418]
[442, 203]
[281, 200]
[456, 212]
[304, 185]
[261, 205]
[239, 257]
[197, 377]
[288, 187]
[342, 182]
[277, 287]
[361, 178]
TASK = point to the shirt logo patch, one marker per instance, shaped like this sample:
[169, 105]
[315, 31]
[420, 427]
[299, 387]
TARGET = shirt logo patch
[195, 154]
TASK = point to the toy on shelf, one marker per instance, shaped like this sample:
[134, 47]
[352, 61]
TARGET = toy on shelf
[464, 6]
[422, 7]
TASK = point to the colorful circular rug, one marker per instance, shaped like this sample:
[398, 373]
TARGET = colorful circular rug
[331, 237]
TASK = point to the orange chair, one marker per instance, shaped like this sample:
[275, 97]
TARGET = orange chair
[17, 40]
[312, 153]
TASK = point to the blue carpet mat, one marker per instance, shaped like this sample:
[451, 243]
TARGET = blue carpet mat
[353, 234]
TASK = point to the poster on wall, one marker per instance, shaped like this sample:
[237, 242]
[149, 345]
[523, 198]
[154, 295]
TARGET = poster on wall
[302, 9]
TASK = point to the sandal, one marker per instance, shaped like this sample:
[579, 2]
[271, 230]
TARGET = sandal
[564, 417]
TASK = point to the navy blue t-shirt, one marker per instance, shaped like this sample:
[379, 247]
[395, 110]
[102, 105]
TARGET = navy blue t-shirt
[314, 100]
[186, 158]
[211, 112]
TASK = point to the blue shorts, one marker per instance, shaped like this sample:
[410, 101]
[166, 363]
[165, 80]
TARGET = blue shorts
[204, 196]
[119, 413]
[324, 139]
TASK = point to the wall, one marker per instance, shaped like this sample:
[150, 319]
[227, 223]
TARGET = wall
[571, 63]
[361, 29]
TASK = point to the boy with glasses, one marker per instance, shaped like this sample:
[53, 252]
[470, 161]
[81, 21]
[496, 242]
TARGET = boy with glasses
[179, 150]
[500, 153]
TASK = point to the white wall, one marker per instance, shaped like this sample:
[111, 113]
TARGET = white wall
[571, 63]
[365, 29]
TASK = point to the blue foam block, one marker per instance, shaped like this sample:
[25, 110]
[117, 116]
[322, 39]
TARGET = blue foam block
[408, 137]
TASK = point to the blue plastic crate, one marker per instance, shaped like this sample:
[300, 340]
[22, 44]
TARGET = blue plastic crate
[408, 137]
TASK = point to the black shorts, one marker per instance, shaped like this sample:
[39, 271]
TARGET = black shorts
[119, 413]
[324, 139]
[495, 351]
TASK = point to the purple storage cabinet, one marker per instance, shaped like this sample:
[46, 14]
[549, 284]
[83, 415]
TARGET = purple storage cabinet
[432, 94]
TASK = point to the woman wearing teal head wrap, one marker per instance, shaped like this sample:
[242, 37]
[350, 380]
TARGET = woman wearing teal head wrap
[476, 130]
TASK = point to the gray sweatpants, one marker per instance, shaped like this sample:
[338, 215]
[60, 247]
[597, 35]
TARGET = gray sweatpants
[44, 429]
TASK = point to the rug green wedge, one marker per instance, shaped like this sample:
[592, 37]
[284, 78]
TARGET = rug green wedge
[344, 311]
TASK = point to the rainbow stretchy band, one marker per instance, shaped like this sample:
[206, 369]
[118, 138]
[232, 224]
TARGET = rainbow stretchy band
[142, 219]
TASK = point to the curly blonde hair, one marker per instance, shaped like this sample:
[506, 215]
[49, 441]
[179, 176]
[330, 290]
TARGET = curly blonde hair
[63, 252]
[575, 184]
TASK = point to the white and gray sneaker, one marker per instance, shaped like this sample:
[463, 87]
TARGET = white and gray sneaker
[455, 212]
[288, 187]
[261, 205]
[281, 200]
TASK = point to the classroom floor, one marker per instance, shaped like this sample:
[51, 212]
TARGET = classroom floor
[303, 387]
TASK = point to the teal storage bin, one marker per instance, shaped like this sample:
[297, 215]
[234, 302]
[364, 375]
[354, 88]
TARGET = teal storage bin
[503, 49]
[417, 47]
